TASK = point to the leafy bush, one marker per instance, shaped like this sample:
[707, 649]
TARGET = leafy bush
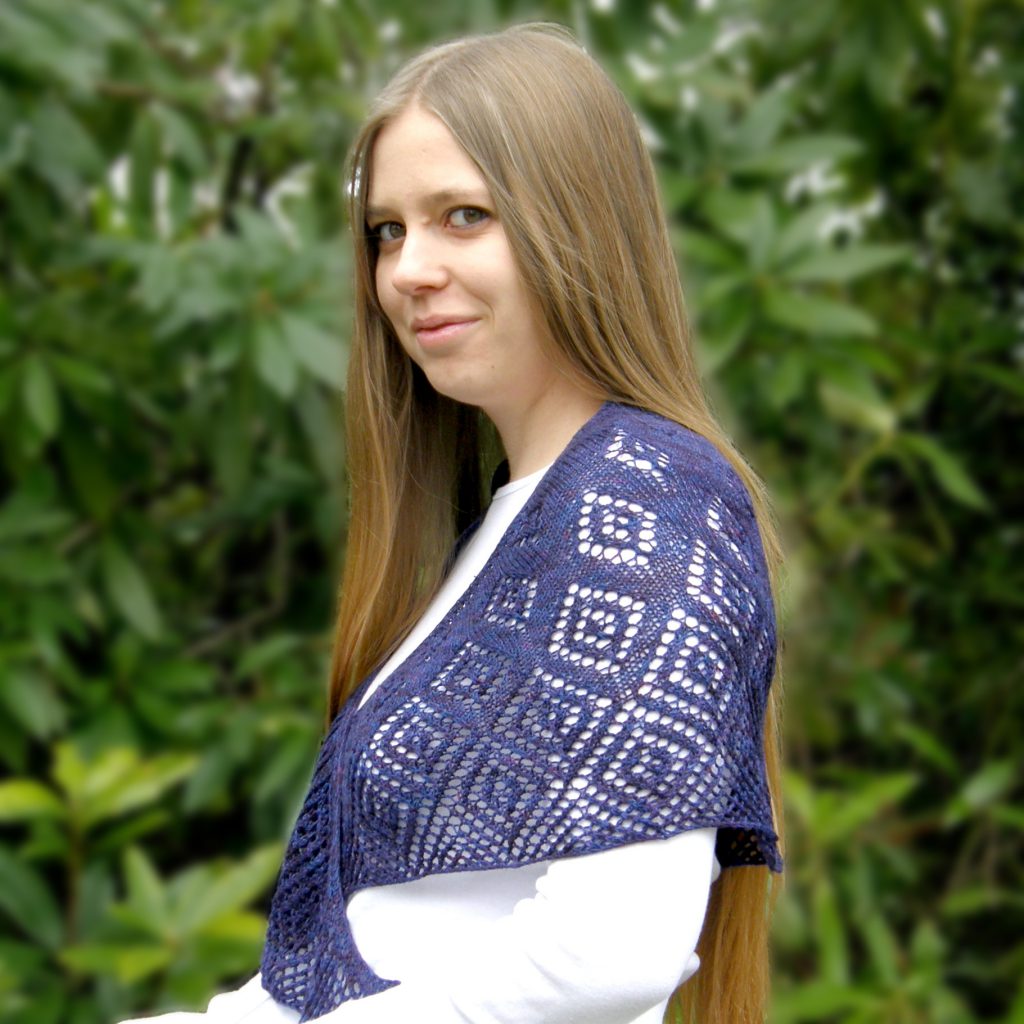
[842, 180]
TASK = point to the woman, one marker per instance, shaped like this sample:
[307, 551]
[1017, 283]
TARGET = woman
[547, 742]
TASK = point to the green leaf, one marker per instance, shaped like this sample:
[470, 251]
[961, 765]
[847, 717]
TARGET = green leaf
[116, 781]
[1008, 380]
[322, 354]
[802, 232]
[747, 218]
[69, 770]
[25, 800]
[88, 467]
[33, 566]
[62, 152]
[677, 190]
[816, 1001]
[146, 893]
[1016, 1015]
[763, 120]
[25, 898]
[866, 804]
[242, 926]
[726, 291]
[272, 648]
[143, 166]
[699, 247]
[800, 154]
[929, 746]
[129, 590]
[1012, 817]
[182, 678]
[786, 378]
[10, 384]
[110, 796]
[800, 797]
[949, 472]
[816, 315]
[40, 395]
[274, 361]
[33, 701]
[842, 265]
[232, 448]
[989, 784]
[82, 376]
[927, 949]
[231, 891]
[321, 424]
[26, 514]
[882, 945]
[857, 404]
[830, 933]
[115, 838]
[289, 763]
[182, 139]
[693, 42]
[209, 783]
[160, 276]
[19, 961]
[261, 234]
[180, 192]
[128, 963]
[979, 899]
[982, 190]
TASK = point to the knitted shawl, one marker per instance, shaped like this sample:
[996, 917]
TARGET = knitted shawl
[602, 681]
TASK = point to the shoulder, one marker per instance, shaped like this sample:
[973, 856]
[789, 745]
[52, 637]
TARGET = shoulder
[636, 482]
[648, 511]
[659, 461]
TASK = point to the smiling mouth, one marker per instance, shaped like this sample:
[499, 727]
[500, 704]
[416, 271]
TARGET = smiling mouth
[439, 332]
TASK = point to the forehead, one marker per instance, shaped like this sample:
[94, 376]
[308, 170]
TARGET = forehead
[415, 154]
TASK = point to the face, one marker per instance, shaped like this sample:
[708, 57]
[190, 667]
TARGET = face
[446, 278]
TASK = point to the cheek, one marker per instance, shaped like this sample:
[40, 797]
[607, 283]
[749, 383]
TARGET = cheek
[386, 295]
[389, 300]
[380, 285]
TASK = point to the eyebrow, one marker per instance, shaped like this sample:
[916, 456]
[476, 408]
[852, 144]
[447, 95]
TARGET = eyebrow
[441, 196]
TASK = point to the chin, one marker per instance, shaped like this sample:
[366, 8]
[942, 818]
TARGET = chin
[457, 390]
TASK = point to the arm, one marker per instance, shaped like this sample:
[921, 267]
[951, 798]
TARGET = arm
[607, 936]
[249, 1004]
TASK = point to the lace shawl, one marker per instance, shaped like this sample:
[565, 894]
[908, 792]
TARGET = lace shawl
[602, 681]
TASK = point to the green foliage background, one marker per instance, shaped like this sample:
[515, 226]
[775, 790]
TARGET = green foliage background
[844, 183]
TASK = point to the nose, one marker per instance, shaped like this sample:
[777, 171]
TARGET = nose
[419, 263]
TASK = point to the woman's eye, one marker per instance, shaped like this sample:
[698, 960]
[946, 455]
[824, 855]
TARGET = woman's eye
[466, 216]
[389, 231]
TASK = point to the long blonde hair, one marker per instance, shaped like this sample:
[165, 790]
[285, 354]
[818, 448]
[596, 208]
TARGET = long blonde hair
[575, 189]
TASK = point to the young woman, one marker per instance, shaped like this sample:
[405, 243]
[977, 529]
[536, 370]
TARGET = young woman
[547, 789]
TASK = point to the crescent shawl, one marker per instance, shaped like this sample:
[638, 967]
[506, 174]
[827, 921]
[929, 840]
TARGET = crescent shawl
[602, 681]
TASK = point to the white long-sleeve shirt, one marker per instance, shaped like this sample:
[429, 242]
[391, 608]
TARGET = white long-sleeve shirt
[599, 939]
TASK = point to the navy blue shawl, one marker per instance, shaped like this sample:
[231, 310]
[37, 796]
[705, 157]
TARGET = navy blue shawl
[602, 681]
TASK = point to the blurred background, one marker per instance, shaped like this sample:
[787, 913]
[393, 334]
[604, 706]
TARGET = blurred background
[844, 181]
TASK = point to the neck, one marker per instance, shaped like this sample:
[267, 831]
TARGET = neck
[534, 435]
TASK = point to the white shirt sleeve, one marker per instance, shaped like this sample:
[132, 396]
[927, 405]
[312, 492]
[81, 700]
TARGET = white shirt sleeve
[606, 937]
[250, 1004]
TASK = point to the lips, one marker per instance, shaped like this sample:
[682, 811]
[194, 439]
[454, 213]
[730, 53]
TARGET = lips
[438, 328]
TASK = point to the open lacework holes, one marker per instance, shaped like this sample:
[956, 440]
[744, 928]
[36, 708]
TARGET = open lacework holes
[511, 602]
[719, 519]
[710, 583]
[596, 627]
[617, 530]
[556, 719]
[636, 455]
[472, 676]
